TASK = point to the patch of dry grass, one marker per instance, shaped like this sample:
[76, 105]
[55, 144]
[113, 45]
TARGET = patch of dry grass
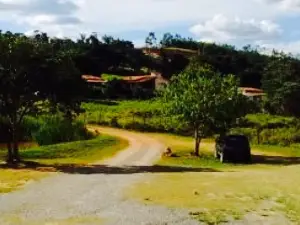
[216, 197]
[74, 153]
[92, 220]
[11, 180]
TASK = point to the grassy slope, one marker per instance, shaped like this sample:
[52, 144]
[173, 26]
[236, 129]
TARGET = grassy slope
[81, 152]
[231, 192]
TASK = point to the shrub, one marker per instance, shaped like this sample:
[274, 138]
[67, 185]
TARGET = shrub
[268, 121]
[56, 129]
[281, 136]
[114, 122]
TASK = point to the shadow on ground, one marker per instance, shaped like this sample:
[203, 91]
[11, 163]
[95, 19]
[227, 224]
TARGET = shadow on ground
[275, 160]
[103, 169]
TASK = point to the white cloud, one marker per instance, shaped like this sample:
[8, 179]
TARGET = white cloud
[125, 15]
[53, 16]
[234, 23]
[222, 29]
[286, 5]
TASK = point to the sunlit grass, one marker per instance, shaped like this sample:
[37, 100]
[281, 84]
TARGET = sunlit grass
[230, 193]
[80, 152]
[11, 180]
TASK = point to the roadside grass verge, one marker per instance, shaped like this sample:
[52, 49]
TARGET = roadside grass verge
[263, 188]
[79, 152]
[92, 220]
[75, 153]
[11, 180]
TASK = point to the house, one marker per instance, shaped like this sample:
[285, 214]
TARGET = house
[143, 85]
[252, 93]
[152, 81]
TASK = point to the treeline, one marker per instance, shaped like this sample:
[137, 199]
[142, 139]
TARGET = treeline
[97, 55]
[248, 63]
[278, 74]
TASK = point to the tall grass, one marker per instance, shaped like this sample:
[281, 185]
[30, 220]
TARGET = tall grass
[134, 115]
[149, 116]
[56, 129]
[49, 129]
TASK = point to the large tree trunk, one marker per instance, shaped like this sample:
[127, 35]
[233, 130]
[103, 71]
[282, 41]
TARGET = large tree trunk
[16, 153]
[15, 141]
[8, 137]
[10, 156]
[258, 132]
[197, 142]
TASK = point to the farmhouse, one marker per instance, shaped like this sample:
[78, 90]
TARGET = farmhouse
[126, 86]
[252, 93]
[154, 81]
[150, 82]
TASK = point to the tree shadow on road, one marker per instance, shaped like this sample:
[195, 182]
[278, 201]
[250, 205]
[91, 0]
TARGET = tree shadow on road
[104, 169]
[275, 160]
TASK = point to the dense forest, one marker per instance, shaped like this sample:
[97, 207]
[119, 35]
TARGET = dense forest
[93, 55]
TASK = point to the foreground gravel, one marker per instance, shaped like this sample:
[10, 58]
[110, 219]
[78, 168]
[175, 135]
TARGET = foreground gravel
[70, 198]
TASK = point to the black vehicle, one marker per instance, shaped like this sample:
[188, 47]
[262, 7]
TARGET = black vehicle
[233, 148]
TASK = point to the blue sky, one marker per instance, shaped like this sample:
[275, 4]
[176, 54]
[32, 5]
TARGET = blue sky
[268, 23]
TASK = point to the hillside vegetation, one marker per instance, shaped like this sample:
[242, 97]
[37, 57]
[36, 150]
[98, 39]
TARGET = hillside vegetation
[149, 116]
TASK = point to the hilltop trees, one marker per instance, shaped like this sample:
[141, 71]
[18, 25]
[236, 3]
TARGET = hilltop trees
[204, 100]
[33, 72]
[151, 40]
[281, 81]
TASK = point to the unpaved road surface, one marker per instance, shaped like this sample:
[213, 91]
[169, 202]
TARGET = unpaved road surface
[94, 196]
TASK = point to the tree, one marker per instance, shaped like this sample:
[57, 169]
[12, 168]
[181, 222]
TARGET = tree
[281, 82]
[151, 40]
[205, 100]
[34, 72]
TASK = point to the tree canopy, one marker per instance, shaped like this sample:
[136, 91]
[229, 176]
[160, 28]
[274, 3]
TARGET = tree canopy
[33, 71]
[205, 100]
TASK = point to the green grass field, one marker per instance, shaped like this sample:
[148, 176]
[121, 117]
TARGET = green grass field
[80, 152]
[266, 187]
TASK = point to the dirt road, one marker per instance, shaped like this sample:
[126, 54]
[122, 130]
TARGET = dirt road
[96, 196]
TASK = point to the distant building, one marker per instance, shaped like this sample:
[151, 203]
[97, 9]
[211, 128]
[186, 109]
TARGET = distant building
[152, 81]
[252, 93]
[144, 85]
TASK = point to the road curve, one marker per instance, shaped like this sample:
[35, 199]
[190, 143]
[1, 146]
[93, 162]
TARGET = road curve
[142, 151]
[86, 198]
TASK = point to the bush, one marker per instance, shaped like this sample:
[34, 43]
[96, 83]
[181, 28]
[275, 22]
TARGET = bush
[279, 136]
[114, 122]
[56, 129]
[282, 136]
[268, 121]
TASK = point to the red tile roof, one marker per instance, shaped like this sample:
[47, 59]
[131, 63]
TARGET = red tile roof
[92, 79]
[249, 91]
[127, 79]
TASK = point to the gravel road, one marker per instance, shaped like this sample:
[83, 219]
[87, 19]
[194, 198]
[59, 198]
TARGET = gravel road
[95, 197]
